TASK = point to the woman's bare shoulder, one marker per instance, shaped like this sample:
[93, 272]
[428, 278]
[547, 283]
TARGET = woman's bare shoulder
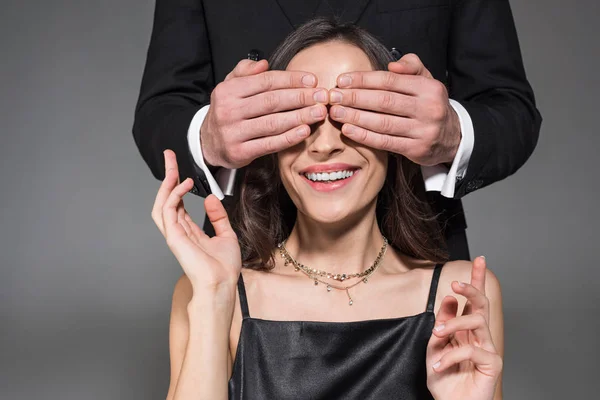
[461, 271]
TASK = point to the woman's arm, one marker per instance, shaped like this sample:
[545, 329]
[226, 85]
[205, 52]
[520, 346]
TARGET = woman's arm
[203, 301]
[199, 344]
[496, 323]
[464, 354]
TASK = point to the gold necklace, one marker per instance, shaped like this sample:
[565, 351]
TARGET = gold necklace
[314, 274]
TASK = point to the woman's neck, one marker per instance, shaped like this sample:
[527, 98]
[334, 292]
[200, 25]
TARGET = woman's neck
[347, 247]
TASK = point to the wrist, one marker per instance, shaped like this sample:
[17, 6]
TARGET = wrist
[455, 136]
[209, 160]
[217, 298]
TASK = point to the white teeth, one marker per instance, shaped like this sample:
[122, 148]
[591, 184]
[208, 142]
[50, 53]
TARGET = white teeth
[329, 176]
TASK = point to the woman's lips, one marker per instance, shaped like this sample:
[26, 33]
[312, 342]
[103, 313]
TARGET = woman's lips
[321, 186]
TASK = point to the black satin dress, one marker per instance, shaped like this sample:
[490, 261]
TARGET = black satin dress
[303, 360]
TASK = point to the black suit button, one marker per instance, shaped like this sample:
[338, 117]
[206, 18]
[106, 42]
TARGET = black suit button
[254, 55]
[194, 190]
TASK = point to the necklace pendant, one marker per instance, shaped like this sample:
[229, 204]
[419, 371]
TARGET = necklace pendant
[350, 302]
[316, 282]
[365, 279]
[328, 288]
[296, 269]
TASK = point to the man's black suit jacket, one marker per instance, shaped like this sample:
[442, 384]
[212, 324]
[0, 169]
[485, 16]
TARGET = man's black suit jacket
[470, 45]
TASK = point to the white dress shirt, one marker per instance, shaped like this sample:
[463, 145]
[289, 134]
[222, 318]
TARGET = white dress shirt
[438, 178]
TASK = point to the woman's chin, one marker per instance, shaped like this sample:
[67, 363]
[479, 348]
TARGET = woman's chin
[328, 214]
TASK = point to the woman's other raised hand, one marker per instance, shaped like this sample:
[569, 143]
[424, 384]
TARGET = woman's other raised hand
[209, 263]
[462, 360]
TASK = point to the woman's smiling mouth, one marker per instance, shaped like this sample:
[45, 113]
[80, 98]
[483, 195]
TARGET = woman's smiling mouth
[325, 178]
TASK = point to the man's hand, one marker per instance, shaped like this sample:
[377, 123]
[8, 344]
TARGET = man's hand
[403, 110]
[254, 112]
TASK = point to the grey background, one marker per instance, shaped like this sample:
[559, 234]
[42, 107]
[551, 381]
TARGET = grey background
[86, 279]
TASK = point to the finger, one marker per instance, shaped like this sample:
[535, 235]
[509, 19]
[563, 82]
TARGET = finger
[167, 185]
[477, 301]
[198, 233]
[489, 363]
[275, 124]
[374, 121]
[283, 100]
[447, 311]
[474, 323]
[381, 141]
[382, 80]
[218, 217]
[375, 100]
[274, 80]
[248, 67]
[181, 218]
[410, 64]
[169, 211]
[478, 274]
[272, 144]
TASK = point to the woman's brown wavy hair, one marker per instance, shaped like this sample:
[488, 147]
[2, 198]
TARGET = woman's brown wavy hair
[264, 214]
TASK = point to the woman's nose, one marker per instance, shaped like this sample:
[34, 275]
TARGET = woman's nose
[327, 139]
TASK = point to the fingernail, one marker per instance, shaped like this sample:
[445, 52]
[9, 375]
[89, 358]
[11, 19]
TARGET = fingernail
[345, 80]
[301, 132]
[339, 112]
[308, 80]
[335, 97]
[320, 96]
[482, 257]
[437, 364]
[316, 112]
[439, 327]
[461, 284]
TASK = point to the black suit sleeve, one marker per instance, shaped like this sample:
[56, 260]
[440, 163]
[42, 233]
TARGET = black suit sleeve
[486, 75]
[177, 82]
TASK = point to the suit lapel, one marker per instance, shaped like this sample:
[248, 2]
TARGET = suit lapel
[298, 12]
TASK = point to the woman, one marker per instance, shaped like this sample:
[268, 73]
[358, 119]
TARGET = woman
[339, 298]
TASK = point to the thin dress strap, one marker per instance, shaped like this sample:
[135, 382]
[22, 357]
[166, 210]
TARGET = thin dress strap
[243, 299]
[433, 289]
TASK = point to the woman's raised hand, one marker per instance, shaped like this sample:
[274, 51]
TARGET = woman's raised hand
[462, 361]
[209, 263]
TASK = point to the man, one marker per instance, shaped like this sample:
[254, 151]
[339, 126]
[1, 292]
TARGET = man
[218, 113]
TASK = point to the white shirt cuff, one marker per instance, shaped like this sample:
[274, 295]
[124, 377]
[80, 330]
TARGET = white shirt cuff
[194, 144]
[439, 178]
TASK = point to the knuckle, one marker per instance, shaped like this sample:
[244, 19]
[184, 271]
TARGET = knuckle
[480, 320]
[362, 134]
[289, 140]
[270, 101]
[386, 142]
[302, 117]
[389, 80]
[270, 146]
[385, 125]
[354, 117]
[301, 98]
[271, 125]
[437, 111]
[439, 88]
[354, 97]
[412, 58]
[219, 92]
[223, 115]
[387, 101]
[267, 81]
